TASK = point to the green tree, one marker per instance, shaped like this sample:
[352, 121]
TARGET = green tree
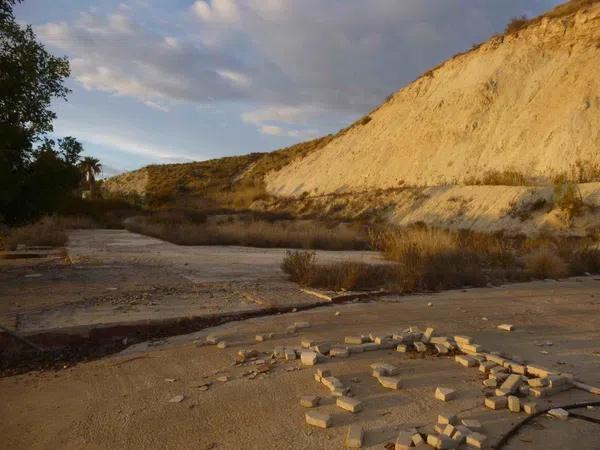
[90, 167]
[30, 78]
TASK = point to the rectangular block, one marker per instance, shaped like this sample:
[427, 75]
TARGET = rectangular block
[404, 440]
[445, 419]
[465, 360]
[445, 394]
[530, 408]
[390, 382]
[427, 335]
[471, 348]
[318, 419]
[322, 348]
[506, 327]
[402, 348]
[310, 401]
[308, 358]
[370, 347]
[538, 382]
[420, 347]
[538, 371]
[353, 340]
[514, 404]
[349, 404]
[559, 413]
[449, 430]
[441, 349]
[462, 340]
[496, 359]
[417, 439]
[491, 383]
[511, 384]
[486, 366]
[323, 373]
[476, 440]
[354, 438]
[496, 402]
[339, 352]
[440, 441]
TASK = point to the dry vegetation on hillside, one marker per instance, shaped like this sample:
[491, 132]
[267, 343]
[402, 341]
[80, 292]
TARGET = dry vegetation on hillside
[425, 259]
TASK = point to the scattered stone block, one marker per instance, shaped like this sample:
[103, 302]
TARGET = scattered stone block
[524, 390]
[530, 408]
[445, 419]
[449, 430]
[310, 401]
[212, 339]
[318, 419]
[222, 344]
[538, 382]
[417, 439]
[441, 349]
[404, 440]
[472, 424]
[538, 371]
[354, 340]
[496, 402]
[459, 437]
[516, 367]
[354, 438]
[263, 337]
[514, 404]
[445, 394]
[390, 382]
[322, 348]
[440, 441]
[559, 413]
[402, 348]
[420, 347]
[349, 404]
[356, 348]
[370, 347]
[332, 382]
[384, 369]
[427, 335]
[465, 360]
[339, 352]
[308, 358]
[511, 384]
[506, 327]
[496, 359]
[463, 340]
[490, 382]
[486, 366]
[247, 354]
[476, 440]
[463, 429]
[301, 325]
[290, 354]
[558, 380]
[471, 348]
[439, 428]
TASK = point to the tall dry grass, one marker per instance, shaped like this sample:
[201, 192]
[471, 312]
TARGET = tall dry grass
[47, 232]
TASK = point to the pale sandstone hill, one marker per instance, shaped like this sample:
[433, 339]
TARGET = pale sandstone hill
[528, 101]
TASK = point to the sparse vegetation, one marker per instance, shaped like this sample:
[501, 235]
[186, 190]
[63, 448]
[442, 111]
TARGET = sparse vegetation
[568, 199]
[423, 259]
[523, 210]
[252, 232]
[507, 177]
[516, 23]
[46, 232]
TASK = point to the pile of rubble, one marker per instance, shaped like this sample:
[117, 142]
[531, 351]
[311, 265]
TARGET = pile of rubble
[510, 383]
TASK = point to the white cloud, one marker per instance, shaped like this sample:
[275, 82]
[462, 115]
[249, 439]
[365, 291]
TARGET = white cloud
[217, 11]
[272, 130]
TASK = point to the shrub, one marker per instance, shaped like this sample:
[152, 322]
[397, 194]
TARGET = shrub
[46, 232]
[515, 24]
[545, 263]
[508, 177]
[568, 199]
[299, 265]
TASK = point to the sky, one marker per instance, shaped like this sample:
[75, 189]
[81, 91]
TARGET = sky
[160, 81]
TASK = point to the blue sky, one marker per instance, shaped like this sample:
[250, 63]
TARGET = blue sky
[158, 81]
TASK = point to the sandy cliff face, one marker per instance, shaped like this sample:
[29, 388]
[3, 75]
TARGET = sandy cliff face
[529, 101]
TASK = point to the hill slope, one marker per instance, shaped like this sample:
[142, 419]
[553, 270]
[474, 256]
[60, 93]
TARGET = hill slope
[527, 101]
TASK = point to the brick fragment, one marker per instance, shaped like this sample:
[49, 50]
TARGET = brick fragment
[465, 360]
[514, 404]
[353, 340]
[511, 384]
[445, 394]
[440, 441]
[390, 382]
[427, 335]
[318, 419]
[496, 402]
[449, 430]
[402, 348]
[486, 366]
[322, 348]
[530, 408]
[307, 343]
[462, 340]
[490, 382]
[476, 440]
[445, 419]
[290, 354]
[354, 438]
[538, 382]
[310, 401]
[349, 404]
[506, 327]
[441, 349]
[420, 347]
[308, 358]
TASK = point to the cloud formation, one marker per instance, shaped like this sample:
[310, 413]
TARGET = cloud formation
[297, 60]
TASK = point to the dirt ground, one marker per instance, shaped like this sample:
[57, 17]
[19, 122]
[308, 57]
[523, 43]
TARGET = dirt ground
[122, 401]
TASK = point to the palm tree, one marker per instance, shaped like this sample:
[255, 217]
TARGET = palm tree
[90, 167]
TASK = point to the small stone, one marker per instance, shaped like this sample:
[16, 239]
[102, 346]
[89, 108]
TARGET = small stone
[476, 440]
[318, 419]
[559, 413]
[177, 399]
[349, 404]
[429, 304]
[496, 402]
[445, 394]
[506, 327]
[514, 404]
[263, 337]
[307, 343]
[223, 378]
[222, 344]
[310, 401]
[404, 440]
[308, 358]
[212, 339]
[170, 380]
[301, 325]
[530, 408]
[337, 313]
[354, 438]
[390, 382]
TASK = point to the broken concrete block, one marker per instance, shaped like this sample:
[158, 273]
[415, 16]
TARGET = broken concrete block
[420, 347]
[476, 440]
[310, 401]
[441, 349]
[427, 335]
[301, 325]
[290, 354]
[354, 340]
[471, 348]
[465, 360]
[558, 380]
[463, 340]
[402, 348]
[417, 439]
[339, 352]
[538, 382]
[472, 424]
[511, 384]
[449, 430]
[384, 369]
[354, 438]
[390, 382]
[222, 344]
[349, 404]
[318, 419]
[445, 419]
[404, 440]
[530, 408]
[321, 348]
[308, 358]
[445, 394]
[440, 441]
[538, 371]
[496, 402]
[559, 413]
[490, 382]
[514, 404]
[459, 437]
[506, 327]
[340, 392]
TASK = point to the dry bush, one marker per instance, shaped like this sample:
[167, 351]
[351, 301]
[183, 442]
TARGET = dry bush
[299, 265]
[255, 233]
[516, 23]
[568, 199]
[47, 232]
[545, 263]
[508, 177]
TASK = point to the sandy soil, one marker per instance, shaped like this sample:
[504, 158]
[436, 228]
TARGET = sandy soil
[123, 401]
